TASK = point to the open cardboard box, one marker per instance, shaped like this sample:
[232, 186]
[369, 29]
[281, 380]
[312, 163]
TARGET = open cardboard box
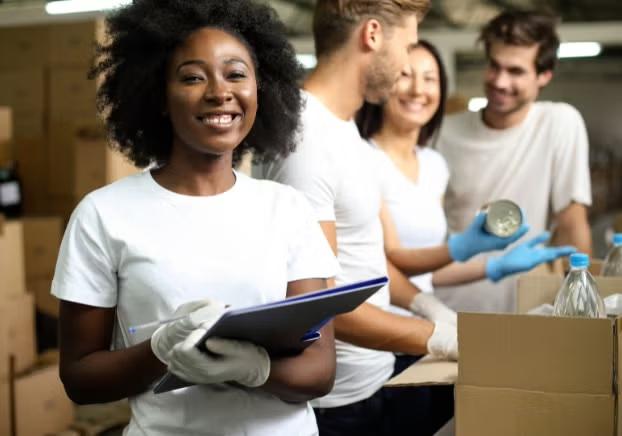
[533, 375]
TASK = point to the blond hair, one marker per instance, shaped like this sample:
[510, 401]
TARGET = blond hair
[334, 20]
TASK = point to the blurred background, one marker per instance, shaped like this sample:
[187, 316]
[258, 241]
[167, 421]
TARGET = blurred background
[53, 151]
[47, 46]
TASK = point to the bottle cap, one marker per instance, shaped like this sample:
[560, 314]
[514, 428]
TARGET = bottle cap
[617, 239]
[579, 260]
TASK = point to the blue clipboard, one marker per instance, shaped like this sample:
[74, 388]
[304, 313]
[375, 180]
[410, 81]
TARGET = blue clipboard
[285, 327]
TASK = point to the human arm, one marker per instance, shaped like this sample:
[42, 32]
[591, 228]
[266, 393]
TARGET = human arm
[89, 370]
[460, 247]
[521, 258]
[410, 261]
[369, 326]
[406, 295]
[457, 273]
[572, 228]
[310, 374]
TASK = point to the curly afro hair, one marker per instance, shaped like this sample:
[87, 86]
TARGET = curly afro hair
[132, 67]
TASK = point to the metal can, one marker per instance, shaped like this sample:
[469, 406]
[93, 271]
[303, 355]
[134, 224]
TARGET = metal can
[503, 218]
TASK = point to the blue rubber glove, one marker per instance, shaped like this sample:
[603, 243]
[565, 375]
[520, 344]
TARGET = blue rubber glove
[475, 240]
[525, 257]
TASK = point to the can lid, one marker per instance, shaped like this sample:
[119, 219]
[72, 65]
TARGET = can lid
[503, 218]
[579, 260]
[617, 239]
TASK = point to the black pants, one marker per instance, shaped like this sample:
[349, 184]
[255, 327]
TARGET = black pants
[416, 411]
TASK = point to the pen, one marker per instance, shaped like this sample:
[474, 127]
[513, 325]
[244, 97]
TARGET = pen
[135, 328]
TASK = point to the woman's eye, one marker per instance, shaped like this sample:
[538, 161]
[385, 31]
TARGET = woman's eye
[237, 75]
[191, 79]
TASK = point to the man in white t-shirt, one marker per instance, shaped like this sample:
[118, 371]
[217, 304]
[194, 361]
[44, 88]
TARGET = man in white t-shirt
[534, 153]
[361, 48]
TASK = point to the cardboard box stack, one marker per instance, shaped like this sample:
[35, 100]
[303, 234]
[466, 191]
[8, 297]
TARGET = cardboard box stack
[28, 388]
[6, 135]
[42, 237]
[43, 71]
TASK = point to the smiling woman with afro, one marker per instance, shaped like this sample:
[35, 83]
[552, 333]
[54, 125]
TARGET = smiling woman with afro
[149, 263]
[134, 65]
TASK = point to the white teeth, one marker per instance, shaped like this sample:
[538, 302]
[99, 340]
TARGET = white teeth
[217, 120]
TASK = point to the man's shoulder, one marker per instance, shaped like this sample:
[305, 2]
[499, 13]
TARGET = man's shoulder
[456, 129]
[557, 110]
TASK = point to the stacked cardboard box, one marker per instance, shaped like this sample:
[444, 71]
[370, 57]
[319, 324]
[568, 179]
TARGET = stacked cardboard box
[6, 135]
[43, 71]
[27, 390]
[42, 237]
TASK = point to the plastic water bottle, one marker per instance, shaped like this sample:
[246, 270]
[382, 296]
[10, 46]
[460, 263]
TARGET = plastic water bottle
[579, 295]
[613, 262]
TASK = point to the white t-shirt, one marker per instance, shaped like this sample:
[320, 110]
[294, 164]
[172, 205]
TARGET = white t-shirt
[147, 250]
[339, 174]
[542, 165]
[416, 208]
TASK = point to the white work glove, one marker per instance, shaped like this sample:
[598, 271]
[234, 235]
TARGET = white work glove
[226, 361]
[195, 314]
[444, 341]
[430, 307]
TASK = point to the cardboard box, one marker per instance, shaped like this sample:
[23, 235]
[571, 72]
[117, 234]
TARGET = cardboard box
[538, 375]
[61, 205]
[24, 91]
[13, 278]
[42, 237]
[5, 406]
[61, 155]
[6, 135]
[17, 333]
[34, 403]
[40, 394]
[82, 161]
[71, 95]
[45, 302]
[6, 124]
[97, 165]
[33, 171]
[24, 46]
[73, 44]
[427, 371]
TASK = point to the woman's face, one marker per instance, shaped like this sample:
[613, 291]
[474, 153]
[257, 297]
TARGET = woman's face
[417, 94]
[211, 95]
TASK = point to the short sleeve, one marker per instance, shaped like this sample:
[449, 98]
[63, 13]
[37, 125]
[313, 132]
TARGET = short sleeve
[309, 254]
[571, 172]
[85, 271]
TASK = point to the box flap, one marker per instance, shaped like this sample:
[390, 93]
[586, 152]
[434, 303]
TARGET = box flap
[427, 371]
[535, 290]
[511, 412]
[572, 355]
